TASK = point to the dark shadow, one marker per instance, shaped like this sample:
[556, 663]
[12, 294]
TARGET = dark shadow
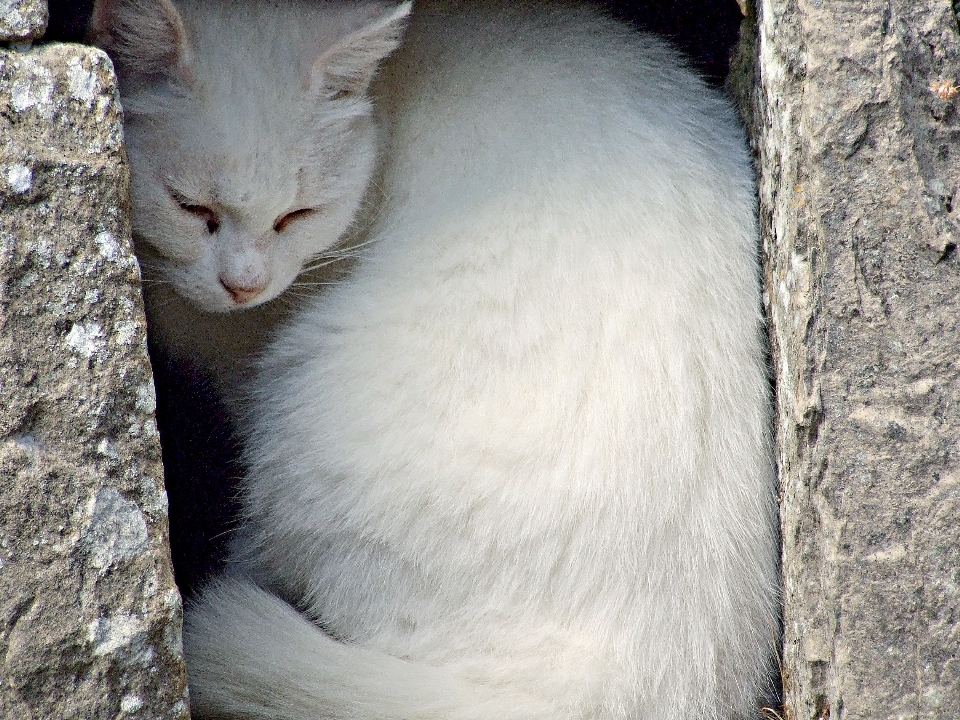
[706, 30]
[68, 20]
[201, 468]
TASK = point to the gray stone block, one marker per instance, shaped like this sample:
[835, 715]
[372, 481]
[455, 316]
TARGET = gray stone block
[855, 120]
[22, 20]
[89, 613]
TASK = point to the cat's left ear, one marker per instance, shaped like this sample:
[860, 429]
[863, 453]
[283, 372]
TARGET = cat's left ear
[146, 39]
[349, 66]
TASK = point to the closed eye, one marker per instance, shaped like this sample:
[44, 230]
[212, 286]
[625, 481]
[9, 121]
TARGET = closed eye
[281, 222]
[210, 217]
[206, 214]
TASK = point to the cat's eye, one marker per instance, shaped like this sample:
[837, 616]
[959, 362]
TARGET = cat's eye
[206, 214]
[284, 220]
[211, 219]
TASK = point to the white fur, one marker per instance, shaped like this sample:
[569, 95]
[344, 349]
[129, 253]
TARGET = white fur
[246, 127]
[517, 465]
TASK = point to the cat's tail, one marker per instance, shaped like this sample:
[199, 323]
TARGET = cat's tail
[252, 655]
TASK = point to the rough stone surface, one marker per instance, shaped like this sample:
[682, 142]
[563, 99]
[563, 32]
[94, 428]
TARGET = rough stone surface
[22, 20]
[856, 125]
[89, 614]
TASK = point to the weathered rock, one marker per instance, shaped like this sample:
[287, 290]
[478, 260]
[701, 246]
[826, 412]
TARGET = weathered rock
[857, 129]
[89, 614]
[22, 19]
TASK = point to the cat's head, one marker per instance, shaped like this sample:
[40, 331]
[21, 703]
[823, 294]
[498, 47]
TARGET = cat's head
[249, 131]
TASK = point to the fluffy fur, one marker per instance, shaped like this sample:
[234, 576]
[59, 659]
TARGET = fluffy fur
[216, 165]
[516, 465]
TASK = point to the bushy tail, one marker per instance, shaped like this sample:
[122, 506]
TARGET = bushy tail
[251, 655]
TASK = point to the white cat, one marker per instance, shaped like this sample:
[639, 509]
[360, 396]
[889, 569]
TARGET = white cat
[233, 190]
[517, 465]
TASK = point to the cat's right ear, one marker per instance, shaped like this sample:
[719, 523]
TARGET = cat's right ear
[146, 39]
[349, 66]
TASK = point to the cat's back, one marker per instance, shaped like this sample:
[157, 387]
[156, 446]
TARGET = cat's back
[517, 91]
[552, 180]
[568, 229]
[548, 146]
[549, 352]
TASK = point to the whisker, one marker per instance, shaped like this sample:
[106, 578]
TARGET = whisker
[321, 264]
[312, 283]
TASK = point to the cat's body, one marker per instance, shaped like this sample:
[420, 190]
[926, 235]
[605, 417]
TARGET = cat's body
[516, 465]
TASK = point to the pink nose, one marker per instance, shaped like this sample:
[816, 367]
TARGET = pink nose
[242, 293]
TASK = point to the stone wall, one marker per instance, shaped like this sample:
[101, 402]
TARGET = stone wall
[89, 613]
[853, 112]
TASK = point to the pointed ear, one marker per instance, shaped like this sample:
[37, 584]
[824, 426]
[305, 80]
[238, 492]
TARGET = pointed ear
[349, 66]
[146, 39]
